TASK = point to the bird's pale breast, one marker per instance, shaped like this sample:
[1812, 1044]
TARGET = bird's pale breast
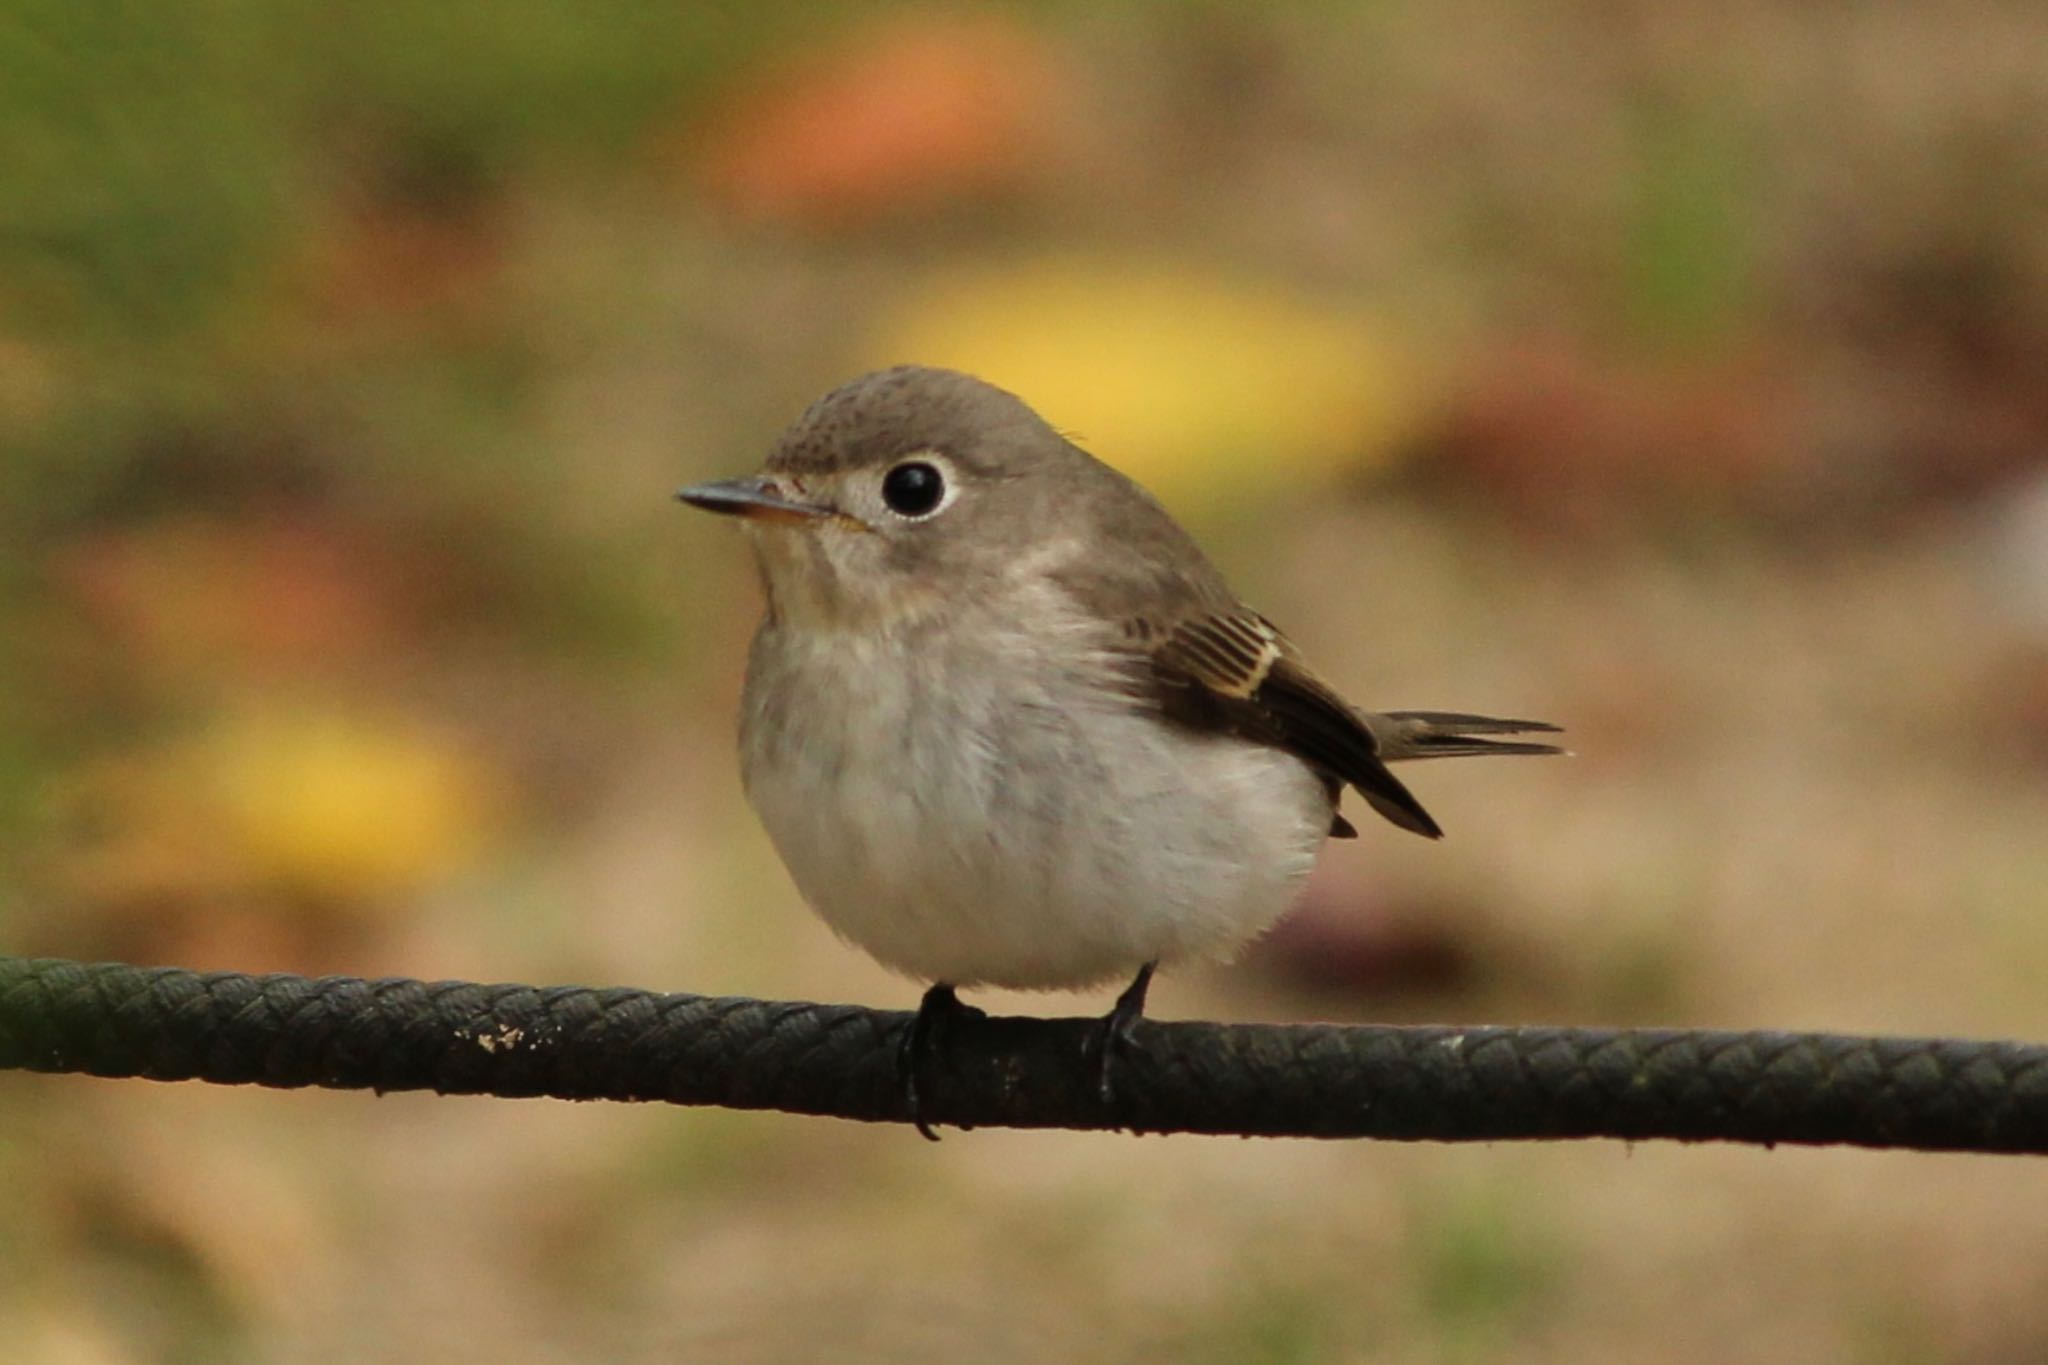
[986, 806]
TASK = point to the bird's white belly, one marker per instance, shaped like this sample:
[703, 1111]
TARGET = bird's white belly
[1020, 827]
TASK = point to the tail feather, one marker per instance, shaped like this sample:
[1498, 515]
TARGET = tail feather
[1406, 735]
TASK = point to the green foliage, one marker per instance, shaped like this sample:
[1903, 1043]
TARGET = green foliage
[1484, 1260]
[149, 170]
[1275, 1325]
[1686, 258]
[159, 156]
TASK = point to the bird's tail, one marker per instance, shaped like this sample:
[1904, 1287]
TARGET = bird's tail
[1404, 735]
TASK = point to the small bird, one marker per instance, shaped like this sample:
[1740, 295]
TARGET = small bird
[1007, 726]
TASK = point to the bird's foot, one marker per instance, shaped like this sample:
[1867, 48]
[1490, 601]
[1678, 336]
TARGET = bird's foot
[939, 1006]
[1114, 1034]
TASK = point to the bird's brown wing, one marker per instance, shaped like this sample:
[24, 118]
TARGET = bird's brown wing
[1234, 671]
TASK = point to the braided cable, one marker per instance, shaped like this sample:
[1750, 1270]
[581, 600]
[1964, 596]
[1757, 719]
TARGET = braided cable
[1302, 1080]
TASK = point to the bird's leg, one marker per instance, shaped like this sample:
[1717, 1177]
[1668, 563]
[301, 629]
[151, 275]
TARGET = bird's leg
[939, 1003]
[1114, 1033]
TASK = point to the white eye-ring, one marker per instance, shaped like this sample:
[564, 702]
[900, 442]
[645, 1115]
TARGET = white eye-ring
[917, 487]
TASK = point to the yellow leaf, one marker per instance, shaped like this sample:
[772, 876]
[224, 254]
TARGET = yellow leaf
[1199, 385]
[338, 804]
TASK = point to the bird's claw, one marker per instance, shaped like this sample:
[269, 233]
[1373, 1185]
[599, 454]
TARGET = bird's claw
[939, 1005]
[1117, 1032]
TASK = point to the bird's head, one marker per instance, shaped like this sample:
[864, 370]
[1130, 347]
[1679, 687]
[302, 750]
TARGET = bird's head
[903, 490]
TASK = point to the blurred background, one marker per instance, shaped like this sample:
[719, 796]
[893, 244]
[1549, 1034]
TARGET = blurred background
[1674, 371]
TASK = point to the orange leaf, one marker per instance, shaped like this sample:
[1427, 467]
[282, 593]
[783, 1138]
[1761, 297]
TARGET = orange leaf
[896, 116]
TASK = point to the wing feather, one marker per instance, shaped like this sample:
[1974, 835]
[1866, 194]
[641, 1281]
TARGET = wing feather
[1235, 671]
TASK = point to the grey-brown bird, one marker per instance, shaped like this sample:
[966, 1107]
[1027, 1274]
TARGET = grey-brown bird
[1006, 724]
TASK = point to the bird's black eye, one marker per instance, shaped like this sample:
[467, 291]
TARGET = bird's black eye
[913, 488]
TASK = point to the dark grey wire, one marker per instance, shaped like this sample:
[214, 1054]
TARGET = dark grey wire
[1302, 1080]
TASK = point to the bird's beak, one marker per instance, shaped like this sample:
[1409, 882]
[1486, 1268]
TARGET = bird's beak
[755, 498]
